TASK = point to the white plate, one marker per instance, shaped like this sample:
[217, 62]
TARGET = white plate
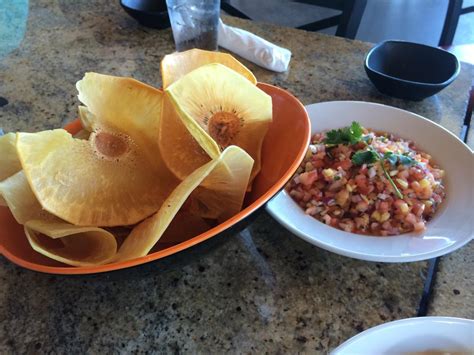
[452, 225]
[412, 335]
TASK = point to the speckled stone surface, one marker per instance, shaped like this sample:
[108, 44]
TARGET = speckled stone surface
[263, 290]
[454, 292]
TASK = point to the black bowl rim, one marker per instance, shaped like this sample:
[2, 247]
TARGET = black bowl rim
[146, 12]
[444, 83]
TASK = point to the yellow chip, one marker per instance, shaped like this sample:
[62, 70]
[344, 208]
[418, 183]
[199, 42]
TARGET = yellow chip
[117, 176]
[69, 244]
[20, 199]
[219, 108]
[9, 163]
[77, 246]
[178, 64]
[220, 195]
[87, 118]
[147, 233]
[182, 152]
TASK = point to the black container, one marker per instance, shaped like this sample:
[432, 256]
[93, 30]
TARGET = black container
[149, 13]
[409, 70]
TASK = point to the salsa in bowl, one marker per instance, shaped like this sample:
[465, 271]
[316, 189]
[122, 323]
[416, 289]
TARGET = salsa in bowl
[367, 182]
[448, 228]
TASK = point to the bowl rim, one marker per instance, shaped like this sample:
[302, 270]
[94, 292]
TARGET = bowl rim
[412, 321]
[244, 213]
[130, 7]
[275, 207]
[444, 83]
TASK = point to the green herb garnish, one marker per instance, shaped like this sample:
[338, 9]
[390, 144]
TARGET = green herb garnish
[389, 178]
[353, 135]
[394, 158]
[370, 156]
[365, 157]
[346, 135]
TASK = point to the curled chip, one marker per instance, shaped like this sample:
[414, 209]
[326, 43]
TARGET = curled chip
[117, 176]
[219, 108]
[178, 64]
[69, 244]
[233, 164]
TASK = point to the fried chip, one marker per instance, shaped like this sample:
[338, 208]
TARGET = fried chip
[77, 246]
[69, 244]
[145, 235]
[117, 176]
[178, 64]
[21, 200]
[9, 162]
[219, 108]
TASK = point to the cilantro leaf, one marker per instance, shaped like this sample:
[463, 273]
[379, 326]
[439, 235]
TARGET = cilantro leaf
[406, 160]
[346, 135]
[394, 158]
[364, 157]
[391, 158]
[371, 156]
[356, 130]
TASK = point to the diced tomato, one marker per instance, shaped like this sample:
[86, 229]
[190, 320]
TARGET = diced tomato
[308, 178]
[317, 163]
[384, 206]
[344, 164]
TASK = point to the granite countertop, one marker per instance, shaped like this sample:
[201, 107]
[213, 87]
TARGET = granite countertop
[262, 290]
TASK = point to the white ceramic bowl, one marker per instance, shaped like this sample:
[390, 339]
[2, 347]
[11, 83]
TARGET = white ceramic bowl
[413, 335]
[452, 225]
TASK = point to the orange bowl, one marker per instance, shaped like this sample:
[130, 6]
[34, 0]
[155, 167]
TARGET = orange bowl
[283, 150]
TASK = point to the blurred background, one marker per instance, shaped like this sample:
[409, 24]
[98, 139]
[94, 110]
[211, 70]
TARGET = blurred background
[412, 20]
[374, 21]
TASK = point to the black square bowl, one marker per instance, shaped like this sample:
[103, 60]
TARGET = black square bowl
[410, 71]
[149, 13]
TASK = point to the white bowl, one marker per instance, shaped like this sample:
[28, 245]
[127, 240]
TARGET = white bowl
[452, 225]
[413, 335]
